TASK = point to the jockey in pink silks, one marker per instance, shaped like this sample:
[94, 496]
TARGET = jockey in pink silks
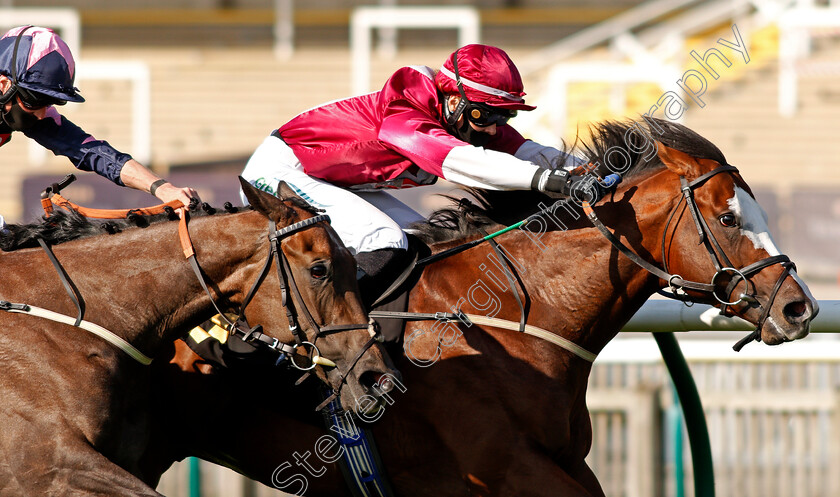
[422, 125]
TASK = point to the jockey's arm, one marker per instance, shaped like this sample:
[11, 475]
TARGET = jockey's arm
[484, 168]
[135, 175]
[547, 157]
[56, 133]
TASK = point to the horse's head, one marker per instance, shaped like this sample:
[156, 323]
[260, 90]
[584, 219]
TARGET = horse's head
[321, 301]
[714, 240]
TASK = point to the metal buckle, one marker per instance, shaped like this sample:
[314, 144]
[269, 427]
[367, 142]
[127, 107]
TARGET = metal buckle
[679, 291]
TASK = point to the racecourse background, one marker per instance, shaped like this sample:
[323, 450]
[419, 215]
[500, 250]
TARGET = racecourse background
[217, 89]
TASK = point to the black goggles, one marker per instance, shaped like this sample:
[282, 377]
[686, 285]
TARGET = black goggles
[484, 115]
[33, 101]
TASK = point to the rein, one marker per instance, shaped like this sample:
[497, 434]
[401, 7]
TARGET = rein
[51, 197]
[716, 253]
[468, 319]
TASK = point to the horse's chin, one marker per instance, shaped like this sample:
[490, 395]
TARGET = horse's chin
[773, 334]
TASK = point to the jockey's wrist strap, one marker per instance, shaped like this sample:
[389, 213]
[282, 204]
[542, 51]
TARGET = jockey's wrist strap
[157, 184]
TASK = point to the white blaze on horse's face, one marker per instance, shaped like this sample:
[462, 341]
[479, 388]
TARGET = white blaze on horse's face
[753, 221]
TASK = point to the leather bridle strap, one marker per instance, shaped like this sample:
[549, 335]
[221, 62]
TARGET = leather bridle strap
[343, 378]
[756, 333]
[672, 279]
[523, 314]
[716, 253]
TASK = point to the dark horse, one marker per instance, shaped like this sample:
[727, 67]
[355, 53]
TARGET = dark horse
[75, 407]
[493, 412]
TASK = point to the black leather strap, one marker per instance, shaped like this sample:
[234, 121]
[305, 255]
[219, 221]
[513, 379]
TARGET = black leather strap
[72, 291]
[157, 184]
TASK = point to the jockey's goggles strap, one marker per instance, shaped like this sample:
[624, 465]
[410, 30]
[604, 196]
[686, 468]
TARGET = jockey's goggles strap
[459, 80]
[13, 90]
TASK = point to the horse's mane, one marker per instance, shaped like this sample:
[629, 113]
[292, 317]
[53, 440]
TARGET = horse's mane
[493, 207]
[65, 225]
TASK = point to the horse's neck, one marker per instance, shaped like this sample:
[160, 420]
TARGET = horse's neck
[229, 250]
[139, 285]
[577, 284]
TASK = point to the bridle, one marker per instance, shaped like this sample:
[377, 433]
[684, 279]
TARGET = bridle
[723, 266]
[291, 298]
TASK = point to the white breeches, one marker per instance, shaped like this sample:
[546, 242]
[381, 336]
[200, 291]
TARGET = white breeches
[364, 221]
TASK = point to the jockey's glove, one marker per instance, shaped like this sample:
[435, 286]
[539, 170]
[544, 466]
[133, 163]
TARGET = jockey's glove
[587, 187]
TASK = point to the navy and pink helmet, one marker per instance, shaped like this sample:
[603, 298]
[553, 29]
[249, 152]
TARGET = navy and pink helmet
[487, 75]
[44, 62]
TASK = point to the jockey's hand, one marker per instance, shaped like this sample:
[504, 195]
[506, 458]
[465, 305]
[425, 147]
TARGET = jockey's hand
[586, 187]
[168, 192]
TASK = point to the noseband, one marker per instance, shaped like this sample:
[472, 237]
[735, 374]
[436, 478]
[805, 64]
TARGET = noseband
[288, 288]
[723, 266]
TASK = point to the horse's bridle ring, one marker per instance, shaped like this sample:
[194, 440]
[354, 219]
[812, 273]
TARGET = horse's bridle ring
[743, 297]
[303, 345]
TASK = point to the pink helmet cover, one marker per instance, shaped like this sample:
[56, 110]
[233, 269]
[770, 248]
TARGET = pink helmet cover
[487, 75]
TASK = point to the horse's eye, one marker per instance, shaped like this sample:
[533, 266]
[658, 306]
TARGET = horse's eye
[729, 220]
[318, 271]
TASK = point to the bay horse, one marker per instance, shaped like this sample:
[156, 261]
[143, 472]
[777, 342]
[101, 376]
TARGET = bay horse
[74, 408]
[488, 411]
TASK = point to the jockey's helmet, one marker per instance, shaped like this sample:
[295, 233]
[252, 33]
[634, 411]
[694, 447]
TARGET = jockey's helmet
[40, 66]
[485, 74]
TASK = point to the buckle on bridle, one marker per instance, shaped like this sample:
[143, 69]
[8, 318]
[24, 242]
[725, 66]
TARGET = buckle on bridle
[678, 291]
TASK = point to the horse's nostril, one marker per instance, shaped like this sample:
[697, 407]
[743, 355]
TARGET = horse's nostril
[377, 382]
[796, 311]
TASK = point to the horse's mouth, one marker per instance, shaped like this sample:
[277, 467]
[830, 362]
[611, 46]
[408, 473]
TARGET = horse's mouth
[367, 393]
[773, 334]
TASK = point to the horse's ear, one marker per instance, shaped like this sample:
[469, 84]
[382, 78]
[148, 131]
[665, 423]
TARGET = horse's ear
[679, 162]
[285, 191]
[268, 204]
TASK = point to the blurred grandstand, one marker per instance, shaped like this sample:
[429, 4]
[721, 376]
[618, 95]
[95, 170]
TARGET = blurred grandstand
[194, 85]
[191, 87]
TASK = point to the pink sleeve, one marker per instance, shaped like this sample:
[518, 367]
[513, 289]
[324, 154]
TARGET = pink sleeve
[411, 121]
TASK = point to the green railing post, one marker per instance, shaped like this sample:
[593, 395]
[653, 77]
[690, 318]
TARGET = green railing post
[194, 477]
[676, 418]
[695, 418]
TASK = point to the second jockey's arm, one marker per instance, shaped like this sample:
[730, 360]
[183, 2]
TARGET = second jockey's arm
[135, 175]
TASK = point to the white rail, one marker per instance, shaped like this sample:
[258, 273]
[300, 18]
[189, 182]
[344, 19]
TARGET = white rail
[364, 19]
[794, 44]
[670, 315]
[65, 20]
[599, 33]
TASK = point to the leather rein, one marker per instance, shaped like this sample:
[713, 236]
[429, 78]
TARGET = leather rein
[723, 266]
[290, 293]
